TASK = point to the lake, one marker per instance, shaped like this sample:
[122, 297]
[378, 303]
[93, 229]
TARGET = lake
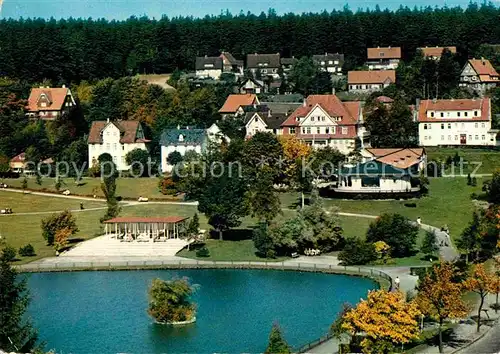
[105, 312]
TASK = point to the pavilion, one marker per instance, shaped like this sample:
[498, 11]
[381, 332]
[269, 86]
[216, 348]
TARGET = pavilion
[130, 228]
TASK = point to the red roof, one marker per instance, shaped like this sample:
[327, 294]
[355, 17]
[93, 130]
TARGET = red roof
[384, 53]
[128, 130]
[56, 97]
[482, 105]
[484, 69]
[384, 99]
[146, 220]
[233, 102]
[19, 158]
[436, 51]
[371, 77]
[331, 104]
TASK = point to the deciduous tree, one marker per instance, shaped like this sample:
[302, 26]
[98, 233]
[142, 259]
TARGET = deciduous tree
[385, 318]
[56, 222]
[440, 297]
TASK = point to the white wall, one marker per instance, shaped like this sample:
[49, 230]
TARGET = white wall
[254, 125]
[386, 184]
[111, 145]
[476, 133]
[213, 73]
[182, 149]
[366, 87]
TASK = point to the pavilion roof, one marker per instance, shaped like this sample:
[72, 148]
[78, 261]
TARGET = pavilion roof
[146, 220]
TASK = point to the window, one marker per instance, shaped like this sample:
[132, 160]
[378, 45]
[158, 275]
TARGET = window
[432, 114]
[303, 130]
[114, 133]
[312, 119]
[442, 126]
[107, 133]
[425, 137]
[456, 137]
[327, 130]
[458, 114]
[318, 130]
[308, 130]
[292, 130]
[123, 147]
[108, 146]
[344, 130]
[470, 137]
[476, 137]
[123, 159]
[442, 114]
[115, 159]
[449, 137]
[334, 130]
[442, 137]
[465, 114]
[463, 125]
[483, 137]
[482, 125]
[475, 114]
[449, 125]
[322, 119]
[425, 126]
[330, 62]
[476, 125]
[336, 62]
[114, 146]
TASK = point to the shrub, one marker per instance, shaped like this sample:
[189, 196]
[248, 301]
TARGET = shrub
[9, 253]
[263, 241]
[203, 252]
[357, 252]
[52, 224]
[167, 186]
[27, 251]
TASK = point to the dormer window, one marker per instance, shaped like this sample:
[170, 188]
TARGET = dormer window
[181, 137]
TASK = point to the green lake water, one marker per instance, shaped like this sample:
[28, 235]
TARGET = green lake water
[105, 312]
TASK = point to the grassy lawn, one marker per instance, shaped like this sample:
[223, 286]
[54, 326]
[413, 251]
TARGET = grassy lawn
[126, 187]
[21, 203]
[448, 203]
[490, 160]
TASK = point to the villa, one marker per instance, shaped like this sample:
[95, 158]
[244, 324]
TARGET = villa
[479, 75]
[48, 103]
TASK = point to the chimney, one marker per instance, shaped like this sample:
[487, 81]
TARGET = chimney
[107, 120]
[63, 86]
[304, 103]
[326, 53]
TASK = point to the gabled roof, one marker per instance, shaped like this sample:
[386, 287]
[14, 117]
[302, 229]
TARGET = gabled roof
[231, 59]
[331, 104]
[255, 61]
[480, 104]
[56, 97]
[288, 61]
[207, 63]
[19, 158]
[484, 69]
[436, 51]
[128, 131]
[384, 99]
[273, 122]
[282, 107]
[234, 101]
[183, 137]
[384, 53]
[371, 76]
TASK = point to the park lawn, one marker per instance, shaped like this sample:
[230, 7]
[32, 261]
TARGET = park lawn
[23, 203]
[448, 203]
[490, 160]
[126, 187]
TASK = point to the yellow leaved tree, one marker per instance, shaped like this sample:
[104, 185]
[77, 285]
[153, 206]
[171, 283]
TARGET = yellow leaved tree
[382, 249]
[383, 320]
[440, 297]
[482, 283]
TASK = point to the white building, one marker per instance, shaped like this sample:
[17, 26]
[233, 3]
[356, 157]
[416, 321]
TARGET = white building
[324, 120]
[455, 122]
[370, 81]
[381, 58]
[209, 67]
[187, 139]
[116, 138]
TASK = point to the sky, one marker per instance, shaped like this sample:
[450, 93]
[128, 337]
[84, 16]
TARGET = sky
[122, 9]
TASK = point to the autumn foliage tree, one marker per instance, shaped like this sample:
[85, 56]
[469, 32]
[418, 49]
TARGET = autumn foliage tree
[440, 297]
[482, 283]
[386, 319]
[56, 222]
[61, 238]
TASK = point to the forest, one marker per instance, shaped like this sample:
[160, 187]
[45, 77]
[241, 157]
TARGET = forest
[72, 50]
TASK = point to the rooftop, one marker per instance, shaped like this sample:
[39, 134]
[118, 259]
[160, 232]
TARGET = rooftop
[384, 53]
[146, 220]
[371, 76]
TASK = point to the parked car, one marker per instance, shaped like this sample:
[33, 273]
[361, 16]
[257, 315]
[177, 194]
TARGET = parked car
[3, 185]
[6, 211]
[66, 192]
[142, 199]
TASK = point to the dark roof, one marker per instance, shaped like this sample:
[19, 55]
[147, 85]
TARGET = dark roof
[232, 60]
[203, 63]
[148, 220]
[329, 56]
[273, 122]
[263, 61]
[374, 168]
[255, 108]
[128, 130]
[189, 137]
[282, 107]
[288, 61]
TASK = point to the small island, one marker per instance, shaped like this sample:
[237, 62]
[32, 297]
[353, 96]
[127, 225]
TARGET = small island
[169, 302]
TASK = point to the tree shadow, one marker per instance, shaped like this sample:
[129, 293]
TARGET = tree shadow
[233, 234]
[72, 241]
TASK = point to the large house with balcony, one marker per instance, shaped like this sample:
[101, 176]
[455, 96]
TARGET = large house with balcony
[116, 138]
[383, 58]
[455, 122]
[48, 103]
[266, 64]
[435, 53]
[329, 62]
[369, 81]
[324, 120]
[384, 172]
[264, 122]
[479, 75]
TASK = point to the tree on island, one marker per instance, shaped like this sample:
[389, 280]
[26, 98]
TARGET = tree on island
[16, 333]
[169, 301]
[277, 344]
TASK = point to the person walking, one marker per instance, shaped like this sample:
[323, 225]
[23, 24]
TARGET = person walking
[396, 283]
[419, 221]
